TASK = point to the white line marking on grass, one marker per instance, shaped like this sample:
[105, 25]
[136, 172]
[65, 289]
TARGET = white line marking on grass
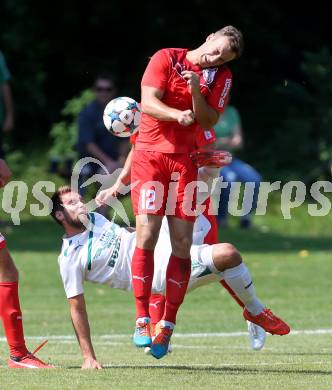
[207, 365]
[64, 338]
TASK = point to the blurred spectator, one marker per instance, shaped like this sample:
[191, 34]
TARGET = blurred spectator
[6, 108]
[6, 102]
[230, 137]
[93, 138]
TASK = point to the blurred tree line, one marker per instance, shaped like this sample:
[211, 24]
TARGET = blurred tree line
[282, 84]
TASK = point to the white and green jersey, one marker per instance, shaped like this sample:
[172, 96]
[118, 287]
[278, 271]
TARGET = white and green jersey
[93, 255]
[103, 254]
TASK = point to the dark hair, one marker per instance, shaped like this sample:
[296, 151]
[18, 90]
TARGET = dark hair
[105, 76]
[236, 39]
[56, 202]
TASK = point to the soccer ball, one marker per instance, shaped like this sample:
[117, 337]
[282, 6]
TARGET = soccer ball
[122, 116]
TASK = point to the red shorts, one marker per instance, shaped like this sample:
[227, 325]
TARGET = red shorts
[212, 237]
[164, 184]
[2, 241]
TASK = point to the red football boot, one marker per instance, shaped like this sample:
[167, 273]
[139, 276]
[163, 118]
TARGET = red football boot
[268, 321]
[29, 360]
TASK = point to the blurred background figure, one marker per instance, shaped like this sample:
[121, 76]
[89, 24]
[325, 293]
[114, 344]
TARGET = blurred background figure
[93, 138]
[6, 102]
[6, 107]
[230, 137]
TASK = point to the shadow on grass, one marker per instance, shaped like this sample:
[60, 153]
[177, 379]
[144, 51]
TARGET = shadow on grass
[234, 370]
[43, 234]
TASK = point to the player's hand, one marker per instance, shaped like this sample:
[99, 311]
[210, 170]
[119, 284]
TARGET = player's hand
[192, 81]
[186, 118]
[5, 173]
[112, 192]
[91, 364]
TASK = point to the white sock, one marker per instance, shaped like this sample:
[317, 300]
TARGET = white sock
[239, 280]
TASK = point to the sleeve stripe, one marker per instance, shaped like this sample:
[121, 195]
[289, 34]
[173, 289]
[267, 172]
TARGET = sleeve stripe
[90, 242]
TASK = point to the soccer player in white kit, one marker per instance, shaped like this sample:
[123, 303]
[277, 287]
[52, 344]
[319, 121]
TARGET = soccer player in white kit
[100, 251]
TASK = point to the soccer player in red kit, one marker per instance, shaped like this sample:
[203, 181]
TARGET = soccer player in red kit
[10, 311]
[181, 90]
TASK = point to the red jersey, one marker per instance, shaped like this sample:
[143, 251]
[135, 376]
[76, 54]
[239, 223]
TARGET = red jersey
[203, 138]
[164, 72]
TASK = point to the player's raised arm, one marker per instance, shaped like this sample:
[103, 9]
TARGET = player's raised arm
[153, 86]
[152, 105]
[205, 115]
[79, 317]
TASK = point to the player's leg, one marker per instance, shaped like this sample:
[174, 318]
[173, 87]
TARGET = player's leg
[257, 335]
[228, 176]
[180, 203]
[179, 266]
[10, 310]
[148, 198]
[226, 260]
[177, 278]
[11, 315]
[142, 270]
[156, 310]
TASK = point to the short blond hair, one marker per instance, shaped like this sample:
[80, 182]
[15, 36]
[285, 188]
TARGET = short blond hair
[236, 39]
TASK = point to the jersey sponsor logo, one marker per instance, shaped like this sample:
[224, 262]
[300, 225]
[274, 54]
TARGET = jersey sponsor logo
[179, 284]
[207, 134]
[148, 198]
[209, 75]
[224, 93]
[179, 68]
[141, 278]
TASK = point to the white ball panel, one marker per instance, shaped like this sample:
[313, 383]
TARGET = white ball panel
[126, 116]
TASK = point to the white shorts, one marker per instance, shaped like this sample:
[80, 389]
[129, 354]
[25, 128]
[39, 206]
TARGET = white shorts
[203, 270]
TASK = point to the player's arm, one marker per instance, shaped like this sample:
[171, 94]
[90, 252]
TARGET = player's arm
[152, 104]
[153, 86]
[81, 325]
[122, 181]
[205, 115]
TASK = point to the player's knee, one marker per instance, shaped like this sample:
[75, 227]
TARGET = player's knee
[146, 239]
[181, 246]
[226, 256]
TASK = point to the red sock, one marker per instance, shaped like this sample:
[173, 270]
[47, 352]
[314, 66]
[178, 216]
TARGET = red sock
[142, 267]
[177, 278]
[12, 318]
[156, 307]
[232, 293]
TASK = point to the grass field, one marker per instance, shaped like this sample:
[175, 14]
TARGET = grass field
[291, 265]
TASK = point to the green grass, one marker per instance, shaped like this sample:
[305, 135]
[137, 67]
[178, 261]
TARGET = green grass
[291, 265]
[292, 271]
